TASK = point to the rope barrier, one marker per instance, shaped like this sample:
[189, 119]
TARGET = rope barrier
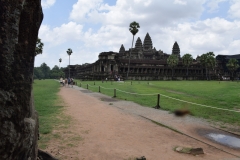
[153, 94]
[138, 93]
[199, 104]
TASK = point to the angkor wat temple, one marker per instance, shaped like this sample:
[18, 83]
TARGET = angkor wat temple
[146, 63]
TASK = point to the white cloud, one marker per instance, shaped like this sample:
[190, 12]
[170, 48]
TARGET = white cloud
[181, 2]
[146, 12]
[234, 10]
[47, 3]
[58, 35]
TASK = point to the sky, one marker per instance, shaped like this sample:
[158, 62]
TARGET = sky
[90, 27]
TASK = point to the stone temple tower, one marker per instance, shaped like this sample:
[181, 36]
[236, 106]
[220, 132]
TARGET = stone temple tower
[138, 44]
[176, 49]
[147, 44]
[122, 50]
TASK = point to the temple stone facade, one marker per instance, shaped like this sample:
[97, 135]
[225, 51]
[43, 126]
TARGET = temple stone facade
[146, 63]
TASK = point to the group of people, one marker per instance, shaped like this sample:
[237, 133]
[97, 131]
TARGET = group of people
[66, 82]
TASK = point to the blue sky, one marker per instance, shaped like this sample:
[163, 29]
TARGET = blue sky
[90, 27]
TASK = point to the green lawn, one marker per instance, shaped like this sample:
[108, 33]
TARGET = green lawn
[46, 103]
[225, 94]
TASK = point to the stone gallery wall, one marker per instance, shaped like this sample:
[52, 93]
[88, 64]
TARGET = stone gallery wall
[19, 24]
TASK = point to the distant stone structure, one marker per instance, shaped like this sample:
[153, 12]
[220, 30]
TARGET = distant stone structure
[146, 63]
[19, 24]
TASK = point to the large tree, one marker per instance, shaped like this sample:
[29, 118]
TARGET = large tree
[172, 61]
[232, 66]
[39, 47]
[208, 62]
[45, 70]
[133, 28]
[69, 52]
[187, 60]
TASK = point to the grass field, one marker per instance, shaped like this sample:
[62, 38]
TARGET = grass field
[47, 105]
[224, 94]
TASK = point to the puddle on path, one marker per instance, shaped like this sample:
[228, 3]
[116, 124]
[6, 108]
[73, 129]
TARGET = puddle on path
[220, 137]
[225, 140]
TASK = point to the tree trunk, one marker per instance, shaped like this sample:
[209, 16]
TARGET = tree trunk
[129, 58]
[69, 68]
[187, 73]
[206, 74]
[19, 23]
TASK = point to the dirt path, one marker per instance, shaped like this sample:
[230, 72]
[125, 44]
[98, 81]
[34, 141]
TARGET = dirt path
[106, 129]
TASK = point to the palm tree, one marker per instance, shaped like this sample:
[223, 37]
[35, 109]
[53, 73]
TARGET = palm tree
[187, 60]
[208, 61]
[39, 47]
[60, 60]
[232, 65]
[172, 61]
[203, 61]
[211, 62]
[69, 52]
[133, 28]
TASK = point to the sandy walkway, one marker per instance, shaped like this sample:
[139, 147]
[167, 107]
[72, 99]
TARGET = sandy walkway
[115, 131]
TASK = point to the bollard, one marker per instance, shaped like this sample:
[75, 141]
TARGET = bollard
[99, 89]
[158, 100]
[114, 93]
[87, 86]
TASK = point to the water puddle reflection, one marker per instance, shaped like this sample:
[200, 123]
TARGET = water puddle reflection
[225, 140]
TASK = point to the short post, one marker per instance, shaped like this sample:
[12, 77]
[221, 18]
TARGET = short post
[99, 89]
[114, 93]
[87, 86]
[158, 100]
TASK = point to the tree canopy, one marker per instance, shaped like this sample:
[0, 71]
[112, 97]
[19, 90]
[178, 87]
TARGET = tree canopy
[39, 47]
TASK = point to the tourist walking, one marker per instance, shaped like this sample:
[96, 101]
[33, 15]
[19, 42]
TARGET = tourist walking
[66, 81]
[61, 81]
[69, 81]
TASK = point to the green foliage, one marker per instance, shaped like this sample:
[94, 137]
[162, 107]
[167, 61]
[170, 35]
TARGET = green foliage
[39, 47]
[44, 72]
[232, 65]
[211, 93]
[172, 61]
[133, 28]
[69, 51]
[187, 60]
[208, 61]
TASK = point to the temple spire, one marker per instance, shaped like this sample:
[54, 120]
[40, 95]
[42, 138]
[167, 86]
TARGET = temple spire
[138, 44]
[176, 49]
[147, 44]
[122, 49]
